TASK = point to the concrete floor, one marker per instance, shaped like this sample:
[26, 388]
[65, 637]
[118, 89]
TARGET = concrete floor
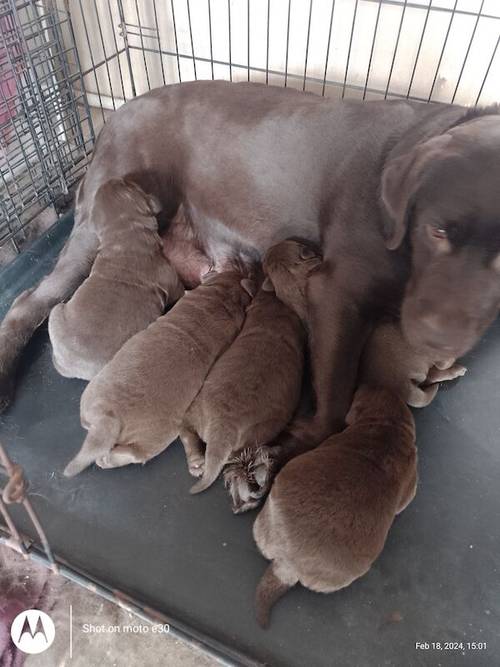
[22, 581]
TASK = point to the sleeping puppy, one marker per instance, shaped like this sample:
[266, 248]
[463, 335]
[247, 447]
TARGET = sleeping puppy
[133, 409]
[327, 516]
[129, 286]
[252, 391]
[390, 361]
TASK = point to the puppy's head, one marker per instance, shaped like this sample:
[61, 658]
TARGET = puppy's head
[377, 404]
[287, 266]
[120, 198]
[444, 196]
[237, 287]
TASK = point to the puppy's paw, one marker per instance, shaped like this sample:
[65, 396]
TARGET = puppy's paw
[248, 478]
[196, 465]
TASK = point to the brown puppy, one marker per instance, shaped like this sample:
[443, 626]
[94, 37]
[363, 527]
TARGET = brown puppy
[133, 409]
[252, 391]
[329, 511]
[129, 286]
[413, 374]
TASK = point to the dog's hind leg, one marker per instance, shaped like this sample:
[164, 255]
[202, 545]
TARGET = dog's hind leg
[120, 455]
[32, 307]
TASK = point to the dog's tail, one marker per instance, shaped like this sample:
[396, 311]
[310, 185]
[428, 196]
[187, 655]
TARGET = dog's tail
[270, 589]
[101, 438]
[214, 462]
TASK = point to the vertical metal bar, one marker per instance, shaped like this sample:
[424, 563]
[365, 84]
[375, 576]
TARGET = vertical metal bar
[395, 50]
[442, 50]
[124, 35]
[419, 48]
[288, 39]
[92, 59]
[349, 51]
[372, 49]
[176, 42]
[487, 71]
[210, 33]
[142, 44]
[105, 55]
[267, 39]
[328, 48]
[467, 52]
[230, 53]
[191, 36]
[116, 49]
[159, 42]
[307, 44]
[248, 40]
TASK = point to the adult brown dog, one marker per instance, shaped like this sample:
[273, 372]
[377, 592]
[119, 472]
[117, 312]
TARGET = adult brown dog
[253, 389]
[130, 284]
[330, 510]
[133, 409]
[403, 198]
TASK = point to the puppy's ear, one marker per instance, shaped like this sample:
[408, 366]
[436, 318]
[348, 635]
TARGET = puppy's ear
[401, 178]
[267, 285]
[249, 286]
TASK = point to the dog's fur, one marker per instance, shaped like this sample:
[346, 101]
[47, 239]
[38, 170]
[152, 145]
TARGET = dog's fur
[414, 375]
[329, 511]
[252, 391]
[403, 198]
[129, 286]
[133, 409]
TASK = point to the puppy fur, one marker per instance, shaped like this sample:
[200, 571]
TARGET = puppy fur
[252, 391]
[129, 286]
[327, 516]
[412, 374]
[133, 409]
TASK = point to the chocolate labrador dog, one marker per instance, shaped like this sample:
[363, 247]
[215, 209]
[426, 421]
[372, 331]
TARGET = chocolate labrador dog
[403, 198]
[120, 297]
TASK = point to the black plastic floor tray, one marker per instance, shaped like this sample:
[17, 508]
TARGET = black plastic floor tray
[138, 529]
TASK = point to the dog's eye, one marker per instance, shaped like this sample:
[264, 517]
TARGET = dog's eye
[439, 233]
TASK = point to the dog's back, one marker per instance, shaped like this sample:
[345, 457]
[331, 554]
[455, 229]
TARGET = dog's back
[128, 288]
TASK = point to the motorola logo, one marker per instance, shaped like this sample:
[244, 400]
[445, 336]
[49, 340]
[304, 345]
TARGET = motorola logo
[32, 631]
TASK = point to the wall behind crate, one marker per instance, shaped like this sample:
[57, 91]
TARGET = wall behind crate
[430, 50]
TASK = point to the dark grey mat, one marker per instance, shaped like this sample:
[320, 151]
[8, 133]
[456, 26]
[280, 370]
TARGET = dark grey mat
[138, 529]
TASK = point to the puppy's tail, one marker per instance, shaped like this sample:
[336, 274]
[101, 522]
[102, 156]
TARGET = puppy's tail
[214, 462]
[101, 438]
[271, 588]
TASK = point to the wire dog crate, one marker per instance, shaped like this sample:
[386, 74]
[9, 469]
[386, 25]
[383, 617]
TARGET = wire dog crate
[65, 64]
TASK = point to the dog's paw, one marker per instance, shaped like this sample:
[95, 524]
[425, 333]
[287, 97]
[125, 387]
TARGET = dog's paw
[196, 465]
[248, 478]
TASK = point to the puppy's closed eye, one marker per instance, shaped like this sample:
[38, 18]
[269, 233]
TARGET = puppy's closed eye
[439, 237]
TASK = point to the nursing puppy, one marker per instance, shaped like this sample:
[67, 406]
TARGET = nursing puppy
[133, 409]
[327, 516]
[414, 374]
[129, 286]
[252, 391]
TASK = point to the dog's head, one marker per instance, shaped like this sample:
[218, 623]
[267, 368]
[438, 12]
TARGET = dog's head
[287, 266]
[238, 288]
[121, 197]
[445, 195]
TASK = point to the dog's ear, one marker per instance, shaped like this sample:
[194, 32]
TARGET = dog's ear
[306, 252]
[249, 286]
[401, 178]
[267, 285]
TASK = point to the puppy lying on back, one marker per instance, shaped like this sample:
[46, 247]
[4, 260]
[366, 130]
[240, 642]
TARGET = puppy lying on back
[129, 286]
[253, 389]
[133, 409]
[414, 375]
[327, 516]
